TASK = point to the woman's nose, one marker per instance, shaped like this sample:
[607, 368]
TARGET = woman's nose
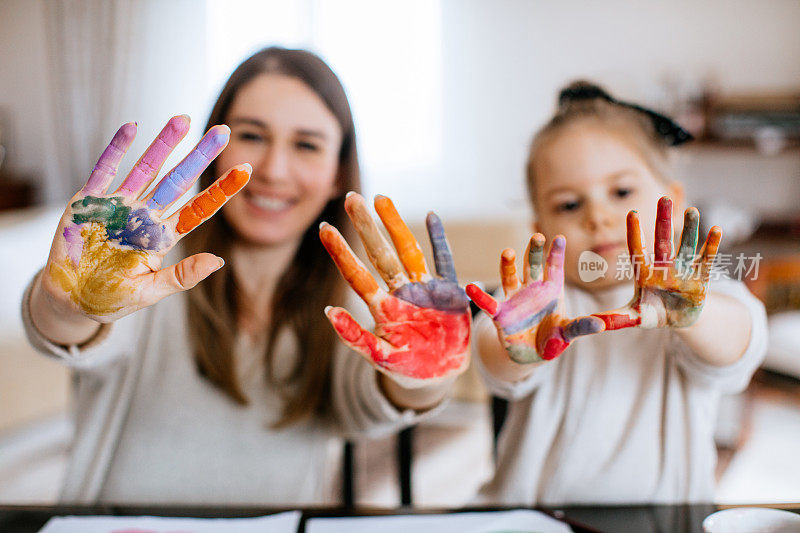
[274, 165]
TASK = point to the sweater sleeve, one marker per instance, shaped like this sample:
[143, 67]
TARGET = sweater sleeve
[734, 377]
[111, 342]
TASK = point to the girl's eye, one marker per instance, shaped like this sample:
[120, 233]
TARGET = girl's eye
[307, 146]
[623, 192]
[568, 206]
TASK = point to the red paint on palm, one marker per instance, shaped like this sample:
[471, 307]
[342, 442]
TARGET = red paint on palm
[418, 333]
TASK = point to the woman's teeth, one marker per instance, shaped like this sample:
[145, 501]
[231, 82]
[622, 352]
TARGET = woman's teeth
[269, 204]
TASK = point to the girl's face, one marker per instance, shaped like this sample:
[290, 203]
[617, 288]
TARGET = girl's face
[587, 179]
[290, 137]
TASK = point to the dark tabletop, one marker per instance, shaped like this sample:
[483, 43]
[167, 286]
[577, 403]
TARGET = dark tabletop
[639, 519]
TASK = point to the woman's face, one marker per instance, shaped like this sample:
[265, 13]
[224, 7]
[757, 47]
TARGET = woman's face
[587, 179]
[290, 137]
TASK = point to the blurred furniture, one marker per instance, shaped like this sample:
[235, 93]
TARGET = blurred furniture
[16, 192]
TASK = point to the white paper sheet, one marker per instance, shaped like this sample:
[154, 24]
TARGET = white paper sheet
[278, 523]
[518, 521]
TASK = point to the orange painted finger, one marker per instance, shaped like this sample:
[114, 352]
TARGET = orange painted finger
[206, 203]
[404, 242]
[709, 253]
[635, 243]
[508, 272]
[353, 270]
[380, 253]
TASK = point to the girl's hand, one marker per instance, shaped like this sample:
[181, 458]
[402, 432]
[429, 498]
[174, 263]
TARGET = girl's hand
[529, 322]
[422, 324]
[668, 292]
[105, 259]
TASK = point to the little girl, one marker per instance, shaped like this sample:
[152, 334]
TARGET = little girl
[623, 416]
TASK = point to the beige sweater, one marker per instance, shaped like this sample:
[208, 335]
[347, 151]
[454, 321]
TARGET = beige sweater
[625, 416]
[150, 429]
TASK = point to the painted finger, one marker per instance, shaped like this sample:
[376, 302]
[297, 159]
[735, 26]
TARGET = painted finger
[635, 243]
[181, 276]
[554, 266]
[689, 236]
[508, 272]
[404, 242]
[442, 256]
[147, 168]
[535, 258]
[482, 299]
[585, 325]
[206, 203]
[619, 318]
[353, 270]
[374, 349]
[378, 249]
[709, 253]
[181, 178]
[106, 168]
[663, 235]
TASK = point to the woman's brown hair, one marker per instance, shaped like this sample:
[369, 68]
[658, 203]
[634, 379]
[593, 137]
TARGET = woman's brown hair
[593, 105]
[310, 282]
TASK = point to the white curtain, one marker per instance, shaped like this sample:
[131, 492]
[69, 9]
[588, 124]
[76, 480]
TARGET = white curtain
[90, 47]
[115, 61]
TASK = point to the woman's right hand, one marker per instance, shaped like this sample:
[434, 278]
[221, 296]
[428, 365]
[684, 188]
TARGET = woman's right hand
[105, 261]
[529, 321]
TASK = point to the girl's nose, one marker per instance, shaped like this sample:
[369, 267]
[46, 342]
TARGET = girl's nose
[273, 166]
[599, 216]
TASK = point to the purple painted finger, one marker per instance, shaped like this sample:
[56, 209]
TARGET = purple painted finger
[183, 176]
[148, 166]
[106, 168]
[554, 266]
[585, 325]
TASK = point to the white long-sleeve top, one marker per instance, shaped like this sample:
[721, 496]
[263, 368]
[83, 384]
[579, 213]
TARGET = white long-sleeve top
[623, 416]
[149, 428]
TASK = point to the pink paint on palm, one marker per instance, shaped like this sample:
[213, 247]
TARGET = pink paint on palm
[106, 168]
[147, 167]
[74, 243]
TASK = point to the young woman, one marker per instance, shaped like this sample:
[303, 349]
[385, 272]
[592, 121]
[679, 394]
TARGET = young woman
[236, 391]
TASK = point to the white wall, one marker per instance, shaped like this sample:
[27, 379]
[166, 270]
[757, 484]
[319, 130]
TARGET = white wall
[502, 63]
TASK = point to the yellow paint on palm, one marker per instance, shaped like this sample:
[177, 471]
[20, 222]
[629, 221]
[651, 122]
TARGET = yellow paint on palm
[97, 283]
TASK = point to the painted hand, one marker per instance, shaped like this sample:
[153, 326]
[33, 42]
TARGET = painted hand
[529, 321]
[668, 292]
[422, 324]
[108, 248]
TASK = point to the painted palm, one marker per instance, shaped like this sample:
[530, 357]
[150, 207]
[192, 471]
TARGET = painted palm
[107, 252]
[669, 291]
[422, 323]
[529, 322]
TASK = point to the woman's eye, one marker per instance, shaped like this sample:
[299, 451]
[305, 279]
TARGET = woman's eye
[249, 136]
[568, 206]
[623, 192]
[307, 146]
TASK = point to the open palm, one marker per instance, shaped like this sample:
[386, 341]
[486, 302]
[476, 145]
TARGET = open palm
[422, 323]
[668, 291]
[529, 321]
[105, 261]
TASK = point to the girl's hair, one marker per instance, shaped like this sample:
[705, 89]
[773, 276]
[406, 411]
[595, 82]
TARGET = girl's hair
[587, 103]
[310, 282]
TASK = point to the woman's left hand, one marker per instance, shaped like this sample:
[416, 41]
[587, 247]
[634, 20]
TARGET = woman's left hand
[422, 323]
[668, 291]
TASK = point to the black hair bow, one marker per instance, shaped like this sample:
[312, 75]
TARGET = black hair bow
[665, 127]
